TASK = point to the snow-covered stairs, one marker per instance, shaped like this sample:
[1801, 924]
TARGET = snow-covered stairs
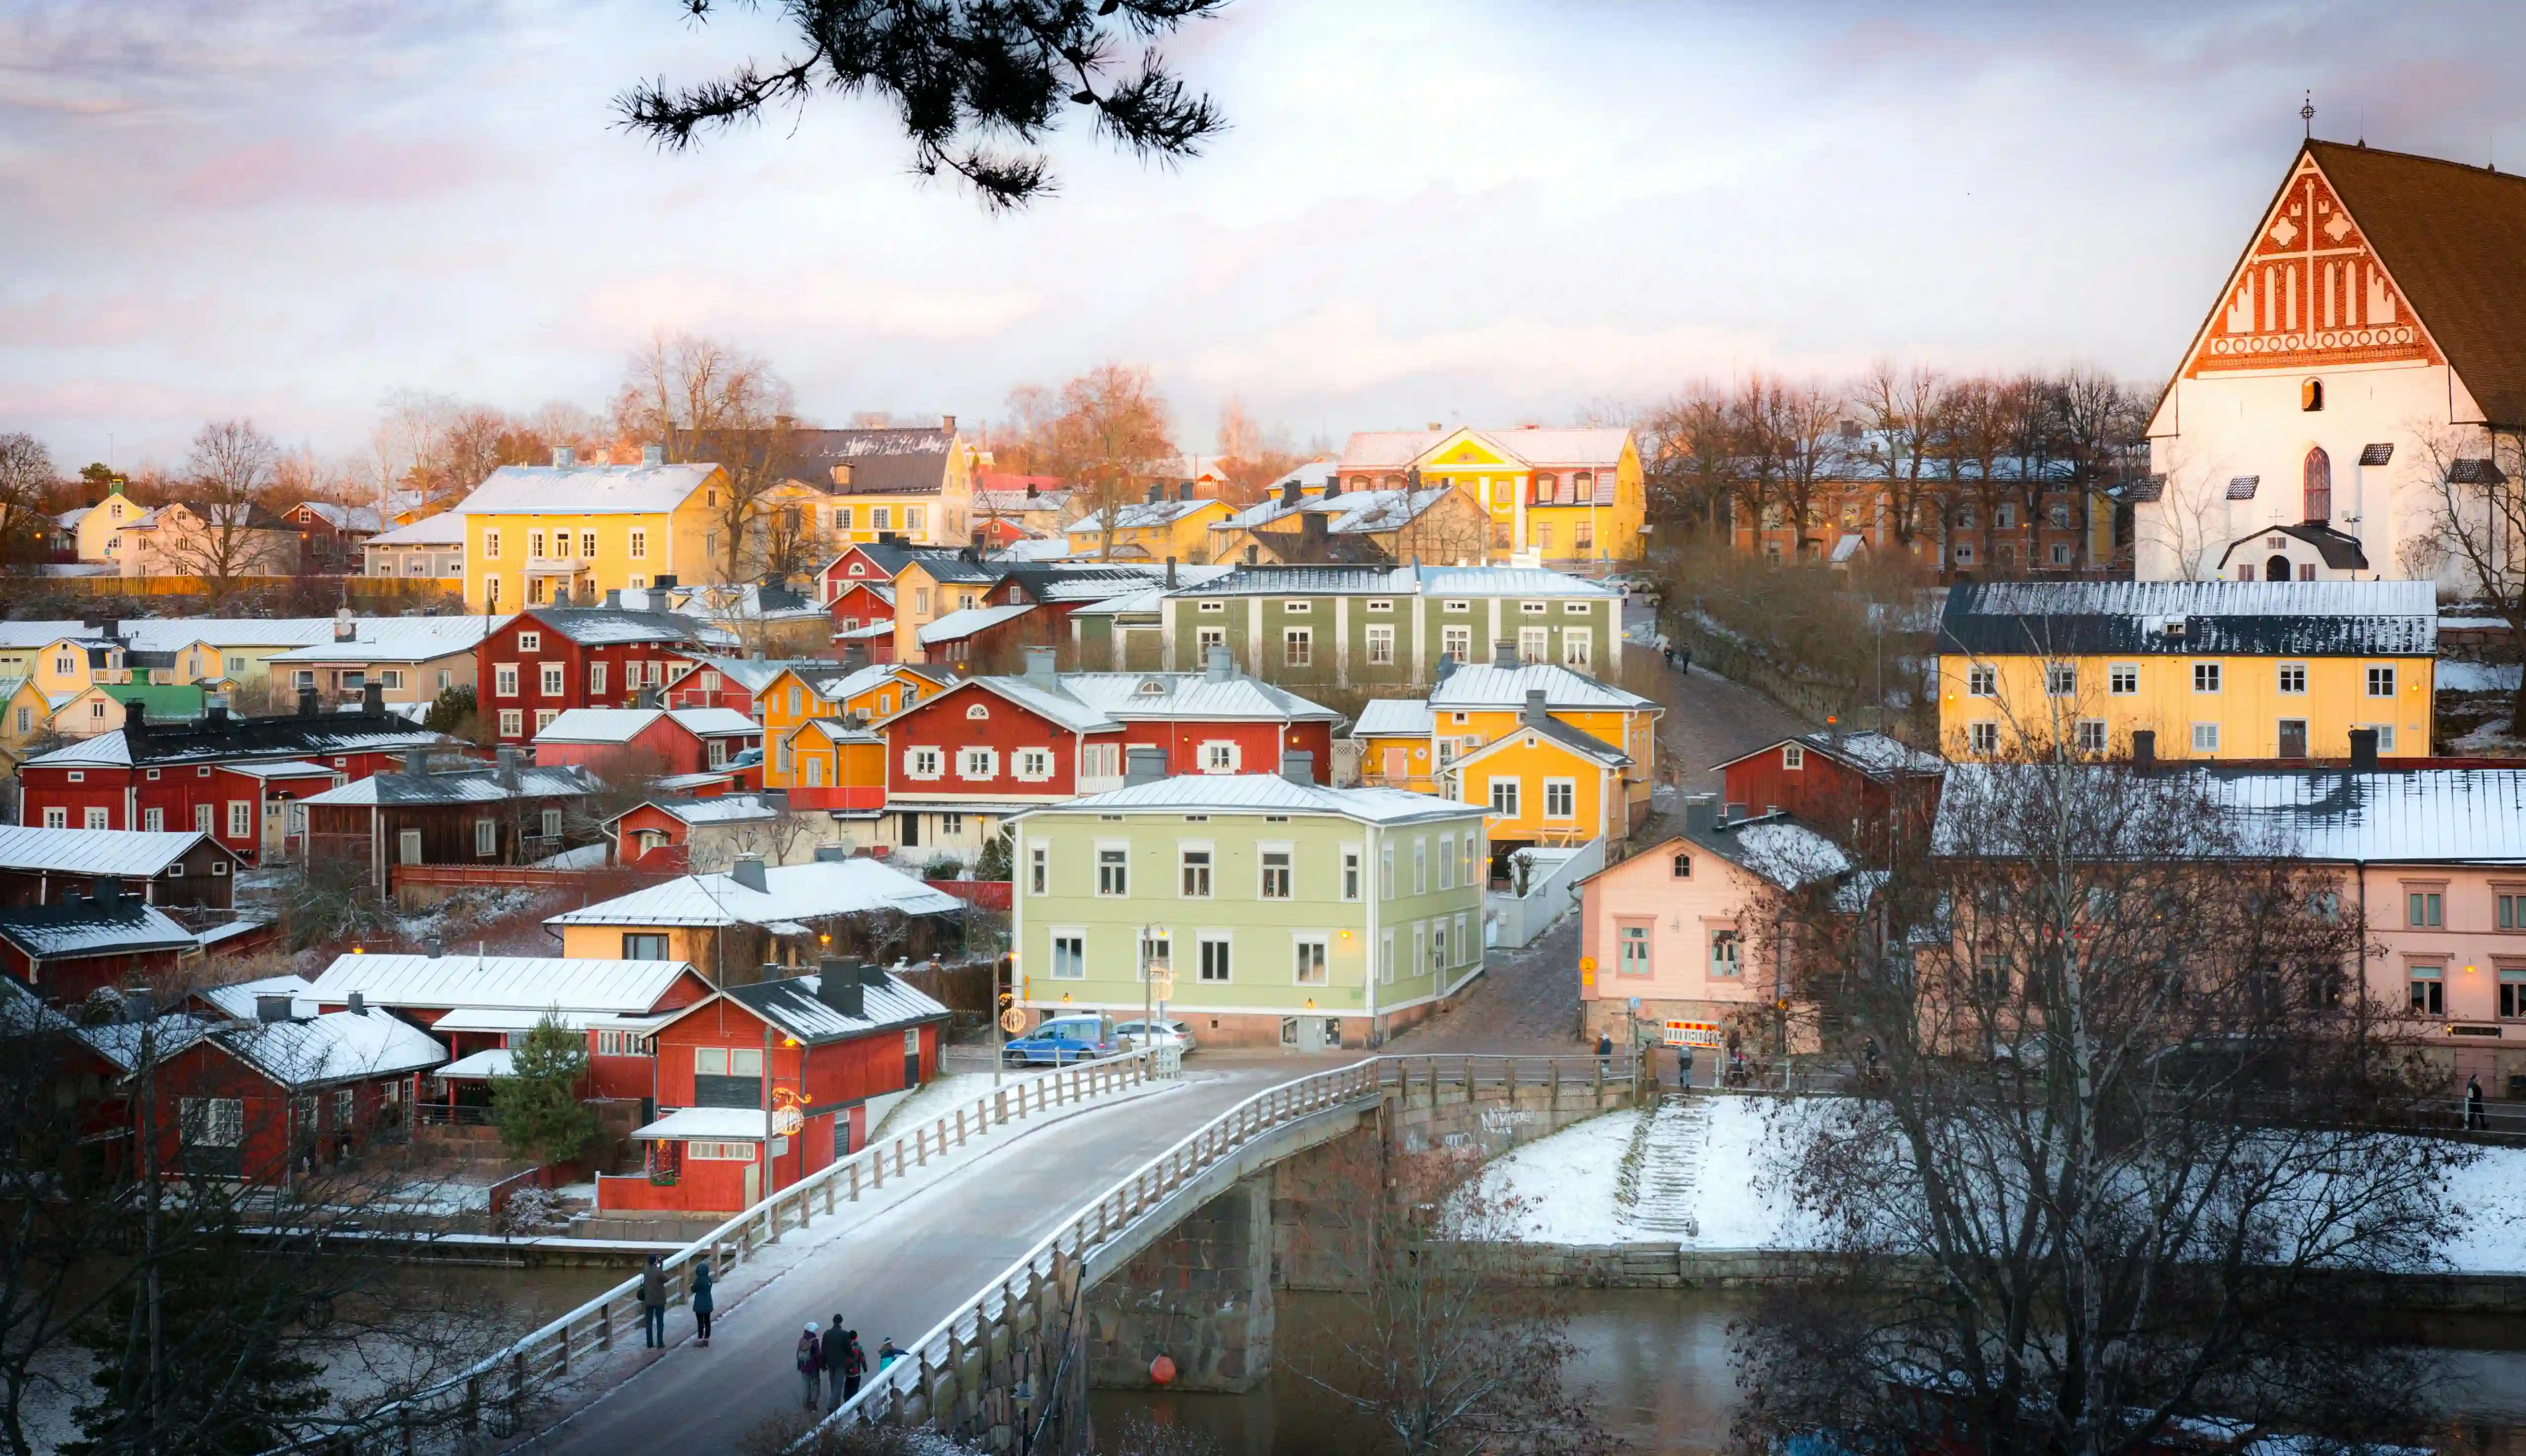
[1662, 1170]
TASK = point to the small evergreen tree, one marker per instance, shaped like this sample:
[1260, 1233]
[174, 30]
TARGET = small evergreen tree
[999, 857]
[538, 1107]
[451, 709]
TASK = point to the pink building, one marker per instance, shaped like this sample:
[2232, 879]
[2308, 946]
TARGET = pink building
[1678, 925]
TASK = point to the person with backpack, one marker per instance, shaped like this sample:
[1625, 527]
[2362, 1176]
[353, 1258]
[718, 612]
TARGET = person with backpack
[854, 1363]
[837, 1342]
[653, 1304]
[701, 1300]
[811, 1363]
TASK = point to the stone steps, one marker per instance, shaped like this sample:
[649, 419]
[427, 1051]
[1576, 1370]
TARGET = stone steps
[1677, 1144]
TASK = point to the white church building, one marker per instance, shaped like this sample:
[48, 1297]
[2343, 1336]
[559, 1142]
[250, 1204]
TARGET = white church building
[2372, 336]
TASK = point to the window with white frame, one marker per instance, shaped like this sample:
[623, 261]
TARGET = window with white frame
[1982, 681]
[1456, 643]
[2205, 677]
[1214, 606]
[2122, 679]
[978, 763]
[1113, 871]
[2293, 675]
[1386, 959]
[2091, 736]
[1211, 637]
[531, 641]
[1504, 797]
[1100, 760]
[1276, 872]
[2206, 737]
[1632, 948]
[1577, 653]
[1039, 869]
[1070, 955]
[1983, 736]
[1533, 644]
[924, 763]
[1420, 946]
[2061, 680]
[595, 679]
[1386, 870]
[639, 548]
[554, 680]
[58, 818]
[1560, 799]
[97, 817]
[545, 718]
[1192, 863]
[1213, 947]
[1473, 856]
[240, 818]
[2381, 683]
[1437, 947]
[1446, 862]
[1219, 756]
[513, 723]
[1727, 959]
[1298, 646]
[1309, 957]
[1034, 765]
[201, 818]
[2385, 732]
[504, 680]
[1381, 644]
[1351, 871]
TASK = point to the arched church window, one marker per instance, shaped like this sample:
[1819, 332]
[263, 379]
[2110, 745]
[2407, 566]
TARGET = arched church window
[2310, 395]
[2317, 505]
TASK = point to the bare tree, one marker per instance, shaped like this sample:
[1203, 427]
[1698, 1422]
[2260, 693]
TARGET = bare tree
[1112, 434]
[1801, 424]
[963, 77]
[220, 529]
[1251, 455]
[1906, 414]
[1690, 458]
[26, 477]
[706, 402]
[2471, 480]
[2101, 1169]
[2190, 522]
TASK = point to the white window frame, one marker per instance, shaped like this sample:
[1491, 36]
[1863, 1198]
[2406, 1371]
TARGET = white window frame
[1033, 765]
[1216, 951]
[486, 837]
[1381, 644]
[1569, 788]
[1982, 681]
[2091, 736]
[978, 763]
[1113, 875]
[504, 680]
[513, 723]
[1355, 873]
[2381, 674]
[1197, 881]
[1075, 937]
[2205, 677]
[925, 763]
[1982, 735]
[240, 819]
[1265, 869]
[1039, 869]
[1219, 756]
[555, 680]
[531, 641]
[2206, 737]
[1504, 797]
[1310, 959]
[1298, 646]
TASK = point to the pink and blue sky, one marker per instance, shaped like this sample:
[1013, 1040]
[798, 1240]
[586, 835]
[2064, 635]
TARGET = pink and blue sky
[1427, 210]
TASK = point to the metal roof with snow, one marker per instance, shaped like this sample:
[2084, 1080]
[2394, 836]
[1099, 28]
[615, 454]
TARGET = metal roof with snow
[77, 929]
[705, 1124]
[169, 634]
[792, 892]
[474, 786]
[964, 622]
[343, 1046]
[508, 982]
[1490, 687]
[1552, 729]
[623, 725]
[1395, 718]
[237, 1000]
[2312, 619]
[724, 809]
[1877, 755]
[1263, 793]
[398, 640]
[20, 635]
[138, 854]
[608, 626]
[243, 739]
[1192, 696]
[792, 1006]
[585, 489]
[446, 528]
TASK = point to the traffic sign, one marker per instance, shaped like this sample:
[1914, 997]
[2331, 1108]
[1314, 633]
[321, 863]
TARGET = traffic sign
[1162, 984]
[1013, 1020]
[1693, 1034]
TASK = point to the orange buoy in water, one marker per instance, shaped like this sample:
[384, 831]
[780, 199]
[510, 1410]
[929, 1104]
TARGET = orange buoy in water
[1163, 1370]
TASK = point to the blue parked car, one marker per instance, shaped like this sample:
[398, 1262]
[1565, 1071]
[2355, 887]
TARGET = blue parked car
[1061, 1040]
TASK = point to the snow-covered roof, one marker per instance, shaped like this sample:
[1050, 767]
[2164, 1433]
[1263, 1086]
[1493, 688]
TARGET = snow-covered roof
[605, 626]
[1134, 697]
[169, 634]
[2390, 816]
[792, 892]
[1016, 502]
[713, 722]
[755, 673]
[20, 635]
[237, 1001]
[1401, 580]
[398, 640]
[1775, 846]
[793, 1005]
[474, 787]
[339, 1047]
[585, 489]
[340, 518]
[2192, 618]
[287, 769]
[1479, 686]
[705, 1124]
[514, 982]
[71, 517]
[1486, 581]
[1875, 754]
[137, 853]
[72, 929]
[1553, 730]
[1394, 450]
[1142, 516]
[678, 782]
[1349, 513]
[446, 528]
[1051, 548]
[239, 740]
[527, 1018]
[623, 725]
[958, 625]
[1264, 793]
[481, 1066]
[1395, 718]
[724, 809]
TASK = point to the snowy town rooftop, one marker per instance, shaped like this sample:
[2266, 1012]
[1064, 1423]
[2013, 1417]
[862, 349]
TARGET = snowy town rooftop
[396, 640]
[2365, 619]
[138, 854]
[790, 894]
[1262, 793]
[1395, 718]
[1498, 687]
[224, 739]
[342, 1046]
[514, 982]
[795, 1005]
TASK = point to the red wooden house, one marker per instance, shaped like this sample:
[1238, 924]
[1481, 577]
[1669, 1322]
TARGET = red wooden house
[331, 538]
[880, 561]
[805, 1054]
[178, 868]
[482, 1004]
[662, 741]
[859, 604]
[76, 946]
[1855, 787]
[548, 660]
[232, 779]
[263, 1102]
[659, 835]
[730, 682]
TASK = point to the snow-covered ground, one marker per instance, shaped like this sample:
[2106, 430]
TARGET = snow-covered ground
[2477, 677]
[1701, 1171]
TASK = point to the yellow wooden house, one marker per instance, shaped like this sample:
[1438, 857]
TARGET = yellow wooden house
[835, 765]
[540, 534]
[1570, 498]
[1546, 783]
[1473, 707]
[796, 696]
[1152, 530]
[2207, 669]
[910, 483]
[1396, 747]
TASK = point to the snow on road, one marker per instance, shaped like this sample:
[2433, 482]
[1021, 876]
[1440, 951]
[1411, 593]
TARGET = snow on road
[1703, 1171]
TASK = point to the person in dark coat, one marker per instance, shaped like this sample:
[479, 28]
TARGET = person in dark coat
[2474, 1121]
[701, 1300]
[837, 1343]
[811, 1363]
[1606, 1051]
[653, 1304]
[854, 1363]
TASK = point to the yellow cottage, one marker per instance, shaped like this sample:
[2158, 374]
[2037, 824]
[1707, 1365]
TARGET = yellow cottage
[1473, 707]
[1152, 530]
[797, 697]
[1546, 782]
[1395, 746]
[2208, 669]
[538, 534]
[1567, 498]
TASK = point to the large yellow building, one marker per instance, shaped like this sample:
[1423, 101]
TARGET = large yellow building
[913, 483]
[1152, 530]
[1565, 498]
[534, 533]
[2209, 670]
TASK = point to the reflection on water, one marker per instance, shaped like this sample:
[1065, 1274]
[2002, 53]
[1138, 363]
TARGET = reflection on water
[1658, 1363]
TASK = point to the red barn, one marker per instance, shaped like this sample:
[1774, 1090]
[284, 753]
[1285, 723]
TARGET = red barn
[1854, 786]
[662, 741]
[812, 1049]
[548, 660]
[482, 1003]
[232, 779]
[259, 1102]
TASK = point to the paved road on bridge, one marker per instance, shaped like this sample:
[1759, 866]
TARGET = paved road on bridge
[896, 1274]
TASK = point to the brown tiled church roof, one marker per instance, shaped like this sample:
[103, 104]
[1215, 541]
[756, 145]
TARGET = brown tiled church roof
[2454, 236]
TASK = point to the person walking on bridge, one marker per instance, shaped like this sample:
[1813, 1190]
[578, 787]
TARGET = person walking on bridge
[701, 1300]
[837, 1341]
[811, 1363]
[854, 1363]
[653, 1304]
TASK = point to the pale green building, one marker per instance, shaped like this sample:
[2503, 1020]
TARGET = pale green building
[1287, 914]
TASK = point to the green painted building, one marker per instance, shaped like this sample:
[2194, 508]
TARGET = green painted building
[1360, 625]
[1287, 914]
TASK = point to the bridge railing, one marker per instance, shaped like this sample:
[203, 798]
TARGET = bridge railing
[1107, 1216]
[492, 1393]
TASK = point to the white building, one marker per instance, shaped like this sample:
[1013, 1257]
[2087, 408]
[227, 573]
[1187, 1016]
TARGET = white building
[2371, 335]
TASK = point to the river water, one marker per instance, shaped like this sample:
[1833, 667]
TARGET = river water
[1658, 1365]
